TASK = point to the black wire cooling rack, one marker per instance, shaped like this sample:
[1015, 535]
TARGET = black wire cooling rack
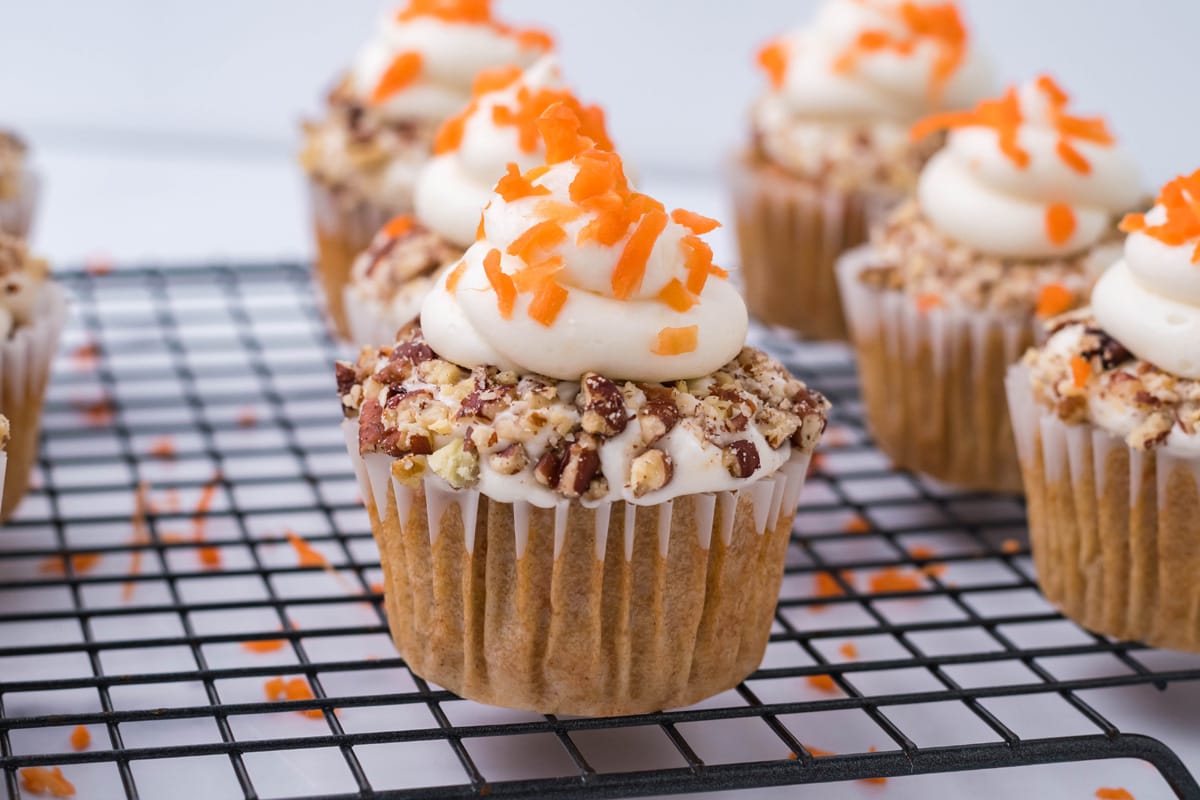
[212, 390]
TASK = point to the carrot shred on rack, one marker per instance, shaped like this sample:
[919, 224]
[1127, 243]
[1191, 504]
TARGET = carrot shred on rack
[87, 355]
[773, 58]
[247, 417]
[857, 524]
[305, 553]
[81, 738]
[46, 780]
[163, 447]
[823, 683]
[817, 752]
[98, 413]
[81, 564]
[141, 536]
[1081, 371]
[848, 650]
[892, 579]
[515, 186]
[98, 266]
[631, 266]
[1054, 299]
[298, 689]
[400, 74]
[826, 585]
[696, 223]
[1010, 546]
[264, 645]
[676, 296]
[502, 284]
[922, 552]
[677, 341]
[1060, 223]
[547, 303]
[274, 688]
[1107, 793]
[455, 276]
[377, 588]
[210, 556]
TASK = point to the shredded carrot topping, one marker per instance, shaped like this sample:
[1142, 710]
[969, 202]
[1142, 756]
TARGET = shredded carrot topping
[823, 683]
[531, 278]
[928, 302]
[1054, 299]
[1113, 794]
[1180, 199]
[398, 226]
[1002, 115]
[515, 186]
[43, 780]
[462, 11]
[455, 276]
[676, 296]
[400, 74]
[895, 580]
[1081, 371]
[1060, 223]
[538, 241]
[81, 738]
[494, 79]
[698, 261]
[677, 341]
[502, 284]
[560, 128]
[773, 58]
[631, 267]
[547, 303]
[599, 173]
[696, 223]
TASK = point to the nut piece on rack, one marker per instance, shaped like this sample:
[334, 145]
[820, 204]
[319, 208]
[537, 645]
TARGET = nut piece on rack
[650, 471]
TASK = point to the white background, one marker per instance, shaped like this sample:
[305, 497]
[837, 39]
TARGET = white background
[168, 127]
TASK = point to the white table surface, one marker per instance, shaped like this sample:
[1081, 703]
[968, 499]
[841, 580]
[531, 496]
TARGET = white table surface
[162, 207]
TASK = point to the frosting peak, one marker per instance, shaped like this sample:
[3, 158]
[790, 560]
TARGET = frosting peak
[1150, 301]
[573, 272]
[497, 128]
[422, 60]
[1022, 177]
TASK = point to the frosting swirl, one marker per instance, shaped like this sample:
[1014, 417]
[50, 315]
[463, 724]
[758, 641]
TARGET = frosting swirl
[1021, 177]
[574, 272]
[1150, 300]
[498, 127]
[421, 62]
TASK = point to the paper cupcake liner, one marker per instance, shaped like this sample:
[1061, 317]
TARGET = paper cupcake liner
[791, 233]
[1115, 531]
[16, 213]
[343, 231]
[596, 611]
[933, 381]
[25, 362]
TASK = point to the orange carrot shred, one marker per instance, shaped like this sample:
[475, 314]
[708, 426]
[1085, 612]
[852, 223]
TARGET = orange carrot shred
[696, 223]
[455, 276]
[459, 11]
[1054, 299]
[817, 752]
[162, 447]
[1010, 546]
[43, 780]
[493, 79]
[940, 26]
[141, 535]
[1180, 199]
[1053, 91]
[676, 296]
[547, 303]
[1107, 793]
[823, 683]
[515, 186]
[532, 277]
[534, 39]
[922, 552]
[1133, 223]
[631, 267]
[87, 355]
[857, 524]
[554, 211]
[849, 651]
[538, 241]
[1060, 223]
[81, 738]
[274, 688]
[1071, 156]
[81, 564]
[560, 128]
[1081, 371]
[247, 417]
[773, 58]
[264, 645]
[599, 173]
[307, 555]
[502, 284]
[398, 226]
[677, 341]
[929, 301]
[400, 74]
[895, 580]
[298, 689]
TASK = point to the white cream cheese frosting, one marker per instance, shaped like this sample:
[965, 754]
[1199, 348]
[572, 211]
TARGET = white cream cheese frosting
[574, 272]
[474, 148]
[420, 64]
[1021, 177]
[1150, 301]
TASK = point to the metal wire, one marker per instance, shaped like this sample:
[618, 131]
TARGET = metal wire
[189, 370]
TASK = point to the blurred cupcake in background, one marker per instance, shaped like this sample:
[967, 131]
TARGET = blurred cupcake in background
[1107, 417]
[33, 311]
[493, 139]
[1012, 223]
[5, 435]
[363, 156]
[18, 186]
[830, 151]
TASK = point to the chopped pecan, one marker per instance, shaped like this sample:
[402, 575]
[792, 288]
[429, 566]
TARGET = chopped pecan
[510, 460]
[581, 465]
[370, 426]
[657, 417]
[741, 458]
[344, 372]
[650, 471]
[549, 467]
[603, 406]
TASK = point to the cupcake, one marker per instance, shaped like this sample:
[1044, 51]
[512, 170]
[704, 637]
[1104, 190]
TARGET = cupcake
[1107, 418]
[1012, 223]
[32, 315]
[576, 516]
[495, 134]
[5, 435]
[18, 186]
[363, 157]
[830, 151]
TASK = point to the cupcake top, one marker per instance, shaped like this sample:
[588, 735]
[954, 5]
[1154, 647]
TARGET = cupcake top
[21, 278]
[497, 128]
[414, 73]
[1016, 214]
[1131, 364]
[585, 347]
[12, 164]
[844, 90]
[398, 268]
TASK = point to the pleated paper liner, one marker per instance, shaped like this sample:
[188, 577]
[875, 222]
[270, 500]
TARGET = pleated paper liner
[343, 230]
[25, 362]
[791, 233]
[597, 611]
[933, 381]
[16, 213]
[1115, 531]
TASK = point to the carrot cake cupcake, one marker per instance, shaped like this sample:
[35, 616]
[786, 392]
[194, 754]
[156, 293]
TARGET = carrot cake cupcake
[830, 149]
[18, 186]
[5, 435]
[363, 157]
[576, 516]
[32, 315]
[1012, 223]
[1107, 417]
[494, 135]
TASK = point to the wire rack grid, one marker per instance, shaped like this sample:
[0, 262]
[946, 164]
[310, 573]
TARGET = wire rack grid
[201, 401]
